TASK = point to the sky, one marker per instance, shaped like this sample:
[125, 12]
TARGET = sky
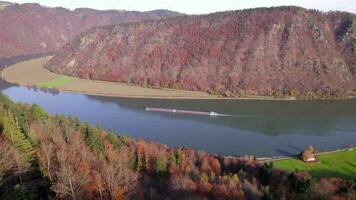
[195, 6]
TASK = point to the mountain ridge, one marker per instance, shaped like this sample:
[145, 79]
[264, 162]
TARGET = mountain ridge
[279, 51]
[31, 28]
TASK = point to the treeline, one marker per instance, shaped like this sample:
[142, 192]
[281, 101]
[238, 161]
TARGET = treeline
[57, 157]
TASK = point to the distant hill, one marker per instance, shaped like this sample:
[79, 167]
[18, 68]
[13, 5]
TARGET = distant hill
[281, 51]
[32, 28]
[4, 4]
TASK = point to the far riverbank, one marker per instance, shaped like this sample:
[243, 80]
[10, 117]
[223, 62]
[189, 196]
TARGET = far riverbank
[31, 73]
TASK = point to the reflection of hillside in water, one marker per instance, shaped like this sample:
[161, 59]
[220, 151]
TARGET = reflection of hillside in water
[4, 85]
[319, 118]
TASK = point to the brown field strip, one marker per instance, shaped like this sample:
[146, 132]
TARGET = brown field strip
[32, 73]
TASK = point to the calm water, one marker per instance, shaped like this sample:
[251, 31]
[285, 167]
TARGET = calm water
[261, 128]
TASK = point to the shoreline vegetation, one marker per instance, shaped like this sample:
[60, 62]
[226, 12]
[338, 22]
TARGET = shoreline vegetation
[45, 157]
[31, 73]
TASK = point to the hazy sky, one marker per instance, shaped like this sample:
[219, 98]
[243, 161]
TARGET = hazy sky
[196, 6]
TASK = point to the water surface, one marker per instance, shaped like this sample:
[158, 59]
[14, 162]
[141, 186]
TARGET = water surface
[255, 127]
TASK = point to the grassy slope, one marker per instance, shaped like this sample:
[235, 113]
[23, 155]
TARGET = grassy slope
[57, 82]
[340, 164]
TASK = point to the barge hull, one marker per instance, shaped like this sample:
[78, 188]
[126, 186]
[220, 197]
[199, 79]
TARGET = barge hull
[188, 112]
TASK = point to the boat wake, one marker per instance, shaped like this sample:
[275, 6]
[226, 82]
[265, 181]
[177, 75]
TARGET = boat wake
[187, 112]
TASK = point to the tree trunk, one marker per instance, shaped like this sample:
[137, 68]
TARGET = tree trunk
[71, 189]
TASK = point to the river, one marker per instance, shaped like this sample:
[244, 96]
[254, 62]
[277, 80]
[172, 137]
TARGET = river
[255, 127]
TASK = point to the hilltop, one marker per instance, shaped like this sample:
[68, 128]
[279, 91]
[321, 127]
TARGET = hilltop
[31, 28]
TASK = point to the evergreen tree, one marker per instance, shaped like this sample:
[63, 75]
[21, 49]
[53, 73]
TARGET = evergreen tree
[123, 139]
[113, 139]
[265, 172]
[178, 157]
[299, 185]
[5, 102]
[12, 133]
[74, 121]
[37, 113]
[18, 112]
[93, 140]
[20, 193]
[160, 164]
[175, 158]
[172, 159]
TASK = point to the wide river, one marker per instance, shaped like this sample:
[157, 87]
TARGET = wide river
[255, 127]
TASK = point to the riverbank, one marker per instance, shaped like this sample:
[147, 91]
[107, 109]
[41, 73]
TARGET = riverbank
[9, 61]
[32, 73]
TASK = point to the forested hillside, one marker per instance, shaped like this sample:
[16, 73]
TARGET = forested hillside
[281, 51]
[56, 157]
[32, 28]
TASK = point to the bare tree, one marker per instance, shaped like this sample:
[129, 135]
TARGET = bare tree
[98, 180]
[7, 159]
[70, 175]
[117, 177]
[11, 160]
[45, 151]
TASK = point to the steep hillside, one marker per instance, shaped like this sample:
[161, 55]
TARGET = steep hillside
[283, 51]
[32, 28]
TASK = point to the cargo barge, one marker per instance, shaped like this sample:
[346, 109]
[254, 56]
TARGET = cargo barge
[188, 112]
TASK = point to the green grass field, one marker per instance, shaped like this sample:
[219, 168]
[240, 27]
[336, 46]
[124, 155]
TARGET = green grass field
[57, 82]
[340, 164]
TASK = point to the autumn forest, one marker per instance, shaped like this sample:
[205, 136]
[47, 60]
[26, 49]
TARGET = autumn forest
[50, 157]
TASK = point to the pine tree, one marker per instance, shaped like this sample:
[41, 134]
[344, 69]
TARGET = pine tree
[114, 140]
[160, 164]
[178, 157]
[5, 102]
[12, 133]
[18, 112]
[93, 140]
[20, 193]
[37, 113]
